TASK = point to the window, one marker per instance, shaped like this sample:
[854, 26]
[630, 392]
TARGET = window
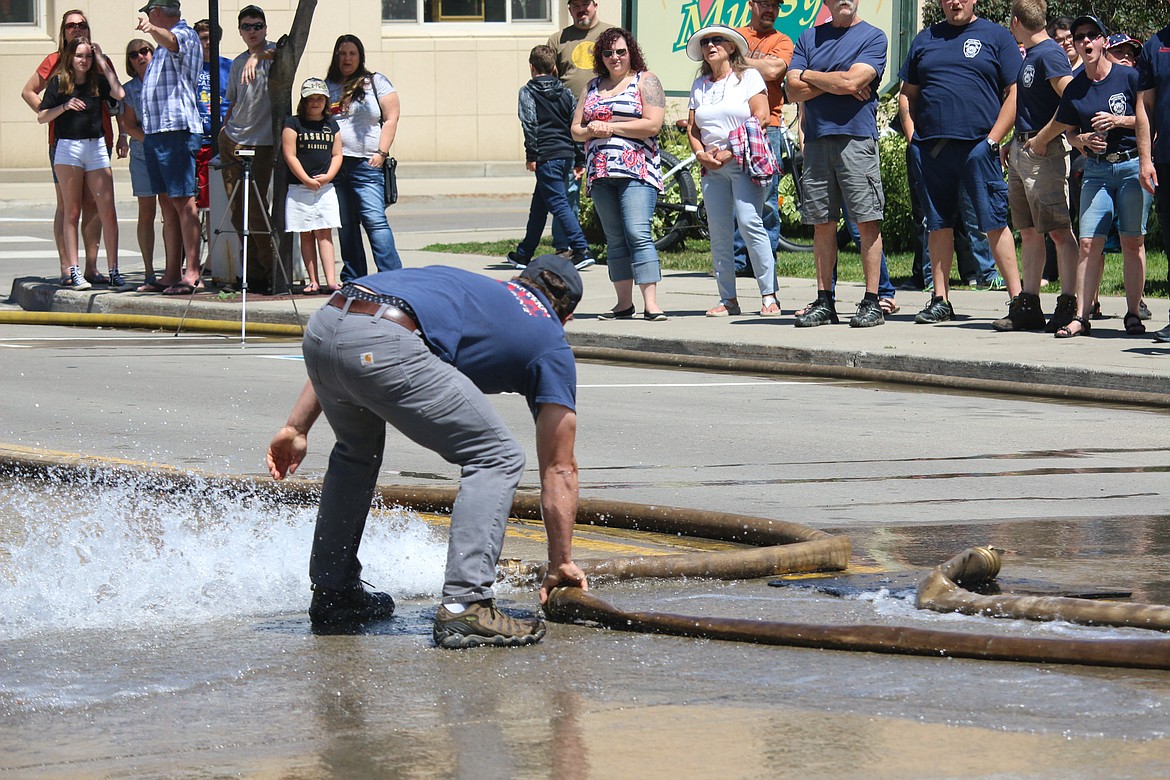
[499, 11]
[18, 11]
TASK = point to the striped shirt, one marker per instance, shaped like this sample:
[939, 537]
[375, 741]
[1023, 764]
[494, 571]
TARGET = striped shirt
[169, 90]
[617, 157]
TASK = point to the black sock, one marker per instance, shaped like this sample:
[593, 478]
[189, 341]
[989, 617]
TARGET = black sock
[826, 296]
[871, 297]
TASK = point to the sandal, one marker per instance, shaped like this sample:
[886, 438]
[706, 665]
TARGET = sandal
[770, 308]
[724, 310]
[1095, 312]
[311, 289]
[889, 306]
[1066, 332]
[1133, 324]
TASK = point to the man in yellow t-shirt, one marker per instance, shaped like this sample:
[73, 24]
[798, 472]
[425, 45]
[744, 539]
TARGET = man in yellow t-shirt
[769, 52]
[574, 48]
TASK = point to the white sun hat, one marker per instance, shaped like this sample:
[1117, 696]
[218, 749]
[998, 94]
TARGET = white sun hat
[694, 43]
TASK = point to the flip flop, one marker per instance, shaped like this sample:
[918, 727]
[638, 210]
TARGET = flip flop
[181, 288]
[150, 287]
[311, 289]
[889, 306]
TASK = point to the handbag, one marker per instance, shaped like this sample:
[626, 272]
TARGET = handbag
[390, 180]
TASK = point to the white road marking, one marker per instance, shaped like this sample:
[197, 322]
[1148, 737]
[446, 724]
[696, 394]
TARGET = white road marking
[24, 239]
[693, 384]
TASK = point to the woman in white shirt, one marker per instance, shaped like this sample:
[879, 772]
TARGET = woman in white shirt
[725, 99]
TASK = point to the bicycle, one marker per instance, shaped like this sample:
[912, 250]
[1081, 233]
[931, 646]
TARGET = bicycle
[680, 212]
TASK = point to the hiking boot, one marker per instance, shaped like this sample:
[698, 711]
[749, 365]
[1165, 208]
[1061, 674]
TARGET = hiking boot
[582, 259]
[938, 310]
[1066, 309]
[518, 260]
[349, 607]
[482, 624]
[76, 280]
[869, 314]
[1023, 314]
[819, 312]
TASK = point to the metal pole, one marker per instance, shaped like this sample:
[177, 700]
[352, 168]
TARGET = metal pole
[216, 87]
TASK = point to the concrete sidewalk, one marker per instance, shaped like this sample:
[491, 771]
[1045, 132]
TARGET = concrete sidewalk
[966, 353]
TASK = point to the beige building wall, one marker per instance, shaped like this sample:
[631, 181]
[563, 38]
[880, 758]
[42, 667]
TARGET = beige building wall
[457, 81]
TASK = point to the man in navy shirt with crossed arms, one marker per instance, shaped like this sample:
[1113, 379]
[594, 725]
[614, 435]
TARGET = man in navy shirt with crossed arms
[418, 348]
[959, 81]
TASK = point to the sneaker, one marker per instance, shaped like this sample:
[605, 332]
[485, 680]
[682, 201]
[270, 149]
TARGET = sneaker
[349, 607]
[869, 314]
[76, 280]
[938, 310]
[582, 259]
[1066, 310]
[1143, 311]
[995, 283]
[482, 624]
[1162, 335]
[819, 312]
[1023, 314]
[118, 282]
[518, 260]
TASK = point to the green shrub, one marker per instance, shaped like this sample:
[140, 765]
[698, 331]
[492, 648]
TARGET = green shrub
[1139, 19]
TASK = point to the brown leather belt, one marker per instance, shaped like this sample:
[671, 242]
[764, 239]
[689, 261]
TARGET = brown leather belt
[395, 315]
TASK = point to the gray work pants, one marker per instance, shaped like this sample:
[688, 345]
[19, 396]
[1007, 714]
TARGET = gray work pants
[368, 371]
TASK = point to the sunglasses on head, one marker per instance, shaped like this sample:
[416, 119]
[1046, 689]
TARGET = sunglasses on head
[77, 25]
[613, 52]
[714, 40]
[252, 26]
[1090, 36]
[139, 52]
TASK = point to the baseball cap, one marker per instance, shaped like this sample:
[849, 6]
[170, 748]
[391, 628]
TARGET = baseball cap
[1120, 39]
[172, 4]
[1089, 19]
[254, 11]
[558, 266]
[314, 86]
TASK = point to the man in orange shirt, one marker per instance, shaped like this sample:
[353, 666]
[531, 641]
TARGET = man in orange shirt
[770, 52]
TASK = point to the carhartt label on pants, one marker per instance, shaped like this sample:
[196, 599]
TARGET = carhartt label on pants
[367, 358]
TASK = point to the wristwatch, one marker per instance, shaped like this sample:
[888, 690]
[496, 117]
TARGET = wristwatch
[993, 144]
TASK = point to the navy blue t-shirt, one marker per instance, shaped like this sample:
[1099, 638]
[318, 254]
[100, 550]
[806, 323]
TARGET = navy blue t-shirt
[827, 49]
[1154, 73]
[1036, 100]
[500, 335]
[1115, 94]
[962, 73]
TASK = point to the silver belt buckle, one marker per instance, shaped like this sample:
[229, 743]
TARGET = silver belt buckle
[1112, 157]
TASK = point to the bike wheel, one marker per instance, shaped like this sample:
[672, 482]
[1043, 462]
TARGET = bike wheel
[675, 208]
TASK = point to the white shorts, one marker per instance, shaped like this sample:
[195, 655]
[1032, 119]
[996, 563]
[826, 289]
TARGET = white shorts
[88, 153]
[305, 210]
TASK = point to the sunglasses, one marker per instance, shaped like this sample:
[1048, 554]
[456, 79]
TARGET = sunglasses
[77, 25]
[614, 52]
[714, 40]
[253, 26]
[1080, 37]
[139, 52]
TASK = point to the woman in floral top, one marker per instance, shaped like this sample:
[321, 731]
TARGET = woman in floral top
[618, 118]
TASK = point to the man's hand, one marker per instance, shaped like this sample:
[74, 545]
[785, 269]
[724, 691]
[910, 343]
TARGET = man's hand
[1035, 150]
[530, 166]
[863, 94]
[1149, 176]
[565, 574]
[286, 451]
[248, 73]
[144, 25]
[123, 147]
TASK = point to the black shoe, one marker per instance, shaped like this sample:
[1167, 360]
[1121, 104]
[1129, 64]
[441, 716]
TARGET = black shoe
[821, 312]
[619, 314]
[1066, 309]
[938, 310]
[1023, 314]
[869, 314]
[1162, 335]
[518, 260]
[349, 607]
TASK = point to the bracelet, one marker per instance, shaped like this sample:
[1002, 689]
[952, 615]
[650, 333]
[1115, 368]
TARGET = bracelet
[385, 155]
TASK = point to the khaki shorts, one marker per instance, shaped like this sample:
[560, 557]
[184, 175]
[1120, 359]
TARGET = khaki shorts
[1038, 187]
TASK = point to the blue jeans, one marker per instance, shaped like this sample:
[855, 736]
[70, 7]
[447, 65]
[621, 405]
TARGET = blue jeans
[1113, 191]
[367, 372]
[549, 196]
[625, 208]
[362, 202]
[560, 238]
[732, 197]
[771, 207]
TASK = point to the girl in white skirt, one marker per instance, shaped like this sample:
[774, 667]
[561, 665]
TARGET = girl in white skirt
[312, 150]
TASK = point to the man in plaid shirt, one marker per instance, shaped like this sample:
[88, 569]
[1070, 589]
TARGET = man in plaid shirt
[174, 132]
